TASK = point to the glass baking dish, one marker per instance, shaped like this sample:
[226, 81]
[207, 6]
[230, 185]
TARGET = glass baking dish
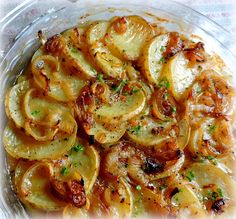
[19, 40]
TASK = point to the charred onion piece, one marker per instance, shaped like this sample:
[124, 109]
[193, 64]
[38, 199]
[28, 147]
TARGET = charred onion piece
[196, 54]
[174, 45]
[55, 44]
[218, 205]
[71, 191]
[152, 166]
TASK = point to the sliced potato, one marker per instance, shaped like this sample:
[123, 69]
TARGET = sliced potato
[76, 36]
[109, 64]
[187, 202]
[77, 62]
[184, 133]
[122, 110]
[96, 31]
[42, 110]
[136, 172]
[21, 168]
[197, 135]
[13, 102]
[212, 137]
[152, 58]
[120, 202]
[40, 133]
[213, 179]
[104, 135]
[145, 136]
[36, 188]
[147, 202]
[54, 81]
[18, 144]
[127, 36]
[86, 162]
[179, 75]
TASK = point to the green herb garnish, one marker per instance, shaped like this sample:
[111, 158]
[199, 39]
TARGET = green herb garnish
[190, 176]
[174, 109]
[161, 60]
[64, 171]
[163, 49]
[119, 87]
[35, 113]
[212, 128]
[164, 83]
[78, 148]
[100, 78]
[74, 50]
[136, 129]
[138, 187]
[220, 193]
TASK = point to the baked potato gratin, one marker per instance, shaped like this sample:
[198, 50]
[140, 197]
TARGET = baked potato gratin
[122, 118]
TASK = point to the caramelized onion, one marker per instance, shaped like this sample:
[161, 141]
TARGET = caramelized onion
[71, 191]
[163, 104]
[40, 133]
[102, 91]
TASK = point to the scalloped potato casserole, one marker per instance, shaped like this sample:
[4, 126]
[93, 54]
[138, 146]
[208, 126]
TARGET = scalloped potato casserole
[120, 119]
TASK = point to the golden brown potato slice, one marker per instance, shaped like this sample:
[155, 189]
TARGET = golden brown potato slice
[109, 64]
[35, 187]
[18, 144]
[13, 102]
[76, 61]
[179, 75]
[85, 160]
[120, 202]
[55, 82]
[121, 111]
[216, 186]
[145, 135]
[105, 136]
[128, 35]
[152, 58]
[96, 31]
[187, 201]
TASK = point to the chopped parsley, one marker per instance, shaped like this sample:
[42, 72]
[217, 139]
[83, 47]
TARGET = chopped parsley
[138, 187]
[161, 60]
[74, 50]
[64, 171]
[174, 109]
[164, 83]
[190, 176]
[134, 90]
[119, 87]
[35, 112]
[214, 195]
[212, 128]
[219, 190]
[163, 49]
[136, 129]
[210, 157]
[78, 148]
[100, 78]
